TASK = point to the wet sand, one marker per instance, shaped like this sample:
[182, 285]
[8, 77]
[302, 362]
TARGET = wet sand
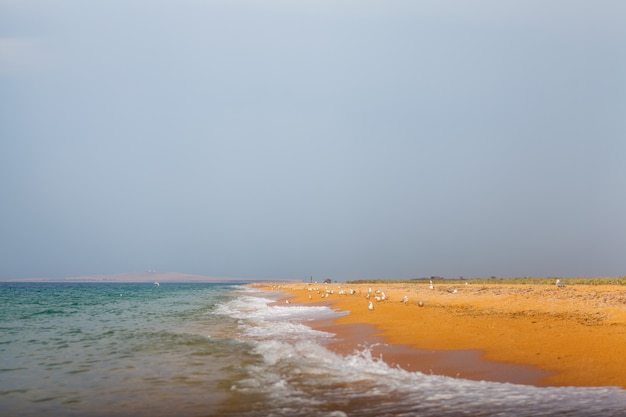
[529, 334]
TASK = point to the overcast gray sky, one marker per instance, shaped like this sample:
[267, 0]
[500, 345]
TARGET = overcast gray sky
[341, 139]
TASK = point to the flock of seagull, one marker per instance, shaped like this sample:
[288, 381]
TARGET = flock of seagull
[379, 295]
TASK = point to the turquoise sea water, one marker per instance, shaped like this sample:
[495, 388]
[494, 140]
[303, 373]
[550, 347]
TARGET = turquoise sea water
[223, 350]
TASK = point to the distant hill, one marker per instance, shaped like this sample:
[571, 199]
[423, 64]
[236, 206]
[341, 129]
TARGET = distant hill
[147, 276]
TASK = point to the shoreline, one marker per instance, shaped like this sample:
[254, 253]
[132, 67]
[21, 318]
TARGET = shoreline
[527, 334]
[466, 364]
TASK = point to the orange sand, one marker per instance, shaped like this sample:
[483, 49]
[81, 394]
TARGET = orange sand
[577, 334]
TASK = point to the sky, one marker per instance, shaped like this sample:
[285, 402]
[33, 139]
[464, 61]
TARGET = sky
[337, 139]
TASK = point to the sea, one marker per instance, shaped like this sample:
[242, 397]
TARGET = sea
[141, 349]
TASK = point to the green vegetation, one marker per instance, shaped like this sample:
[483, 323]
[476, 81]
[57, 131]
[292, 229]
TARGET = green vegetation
[505, 281]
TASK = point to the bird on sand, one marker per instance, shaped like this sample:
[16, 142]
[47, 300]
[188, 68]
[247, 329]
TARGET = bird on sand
[431, 286]
[370, 306]
[559, 283]
[405, 299]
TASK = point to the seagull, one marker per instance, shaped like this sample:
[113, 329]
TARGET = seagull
[559, 283]
[156, 284]
[370, 306]
[420, 303]
[367, 296]
[405, 299]
[431, 286]
[452, 291]
[383, 297]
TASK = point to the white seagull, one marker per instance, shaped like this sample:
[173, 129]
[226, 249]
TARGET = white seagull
[405, 299]
[370, 306]
[559, 283]
[431, 286]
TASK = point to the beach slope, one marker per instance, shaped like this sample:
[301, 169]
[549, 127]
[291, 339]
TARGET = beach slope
[575, 334]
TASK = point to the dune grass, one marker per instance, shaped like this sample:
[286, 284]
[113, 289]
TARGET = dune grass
[621, 280]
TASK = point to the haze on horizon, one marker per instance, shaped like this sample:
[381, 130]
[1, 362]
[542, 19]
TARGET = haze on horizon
[343, 139]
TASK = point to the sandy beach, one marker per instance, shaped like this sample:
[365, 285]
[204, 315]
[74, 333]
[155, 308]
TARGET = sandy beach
[540, 335]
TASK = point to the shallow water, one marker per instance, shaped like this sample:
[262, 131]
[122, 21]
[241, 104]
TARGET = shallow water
[208, 350]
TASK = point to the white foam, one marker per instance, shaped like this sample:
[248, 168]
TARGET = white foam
[287, 330]
[305, 372]
[260, 320]
[259, 308]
